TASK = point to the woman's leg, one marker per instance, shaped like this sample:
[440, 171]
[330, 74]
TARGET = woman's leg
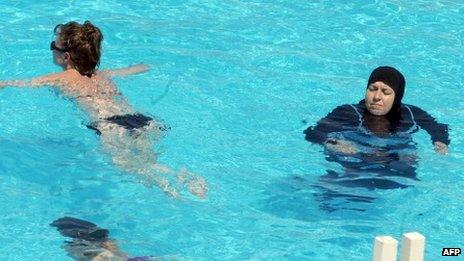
[135, 154]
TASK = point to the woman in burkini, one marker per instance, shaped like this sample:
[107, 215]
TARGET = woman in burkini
[125, 134]
[372, 140]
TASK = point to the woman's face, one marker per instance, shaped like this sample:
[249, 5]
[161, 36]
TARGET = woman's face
[59, 56]
[379, 98]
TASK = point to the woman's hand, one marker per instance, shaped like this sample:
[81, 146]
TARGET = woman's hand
[341, 146]
[440, 147]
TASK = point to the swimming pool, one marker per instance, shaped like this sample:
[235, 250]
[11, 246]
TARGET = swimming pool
[234, 81]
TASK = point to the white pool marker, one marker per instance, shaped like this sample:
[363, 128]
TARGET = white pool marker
[413, 246]
[385, 248]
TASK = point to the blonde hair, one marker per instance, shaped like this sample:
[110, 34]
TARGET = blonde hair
[83, 43]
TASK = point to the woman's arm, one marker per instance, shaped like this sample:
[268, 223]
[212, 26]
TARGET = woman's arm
[45, 80]
[438, 131]
[14, 83]
[134, 69]
[334, 122]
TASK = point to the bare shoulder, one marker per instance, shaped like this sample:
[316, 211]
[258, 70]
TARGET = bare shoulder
[103, 75]
[54, 79]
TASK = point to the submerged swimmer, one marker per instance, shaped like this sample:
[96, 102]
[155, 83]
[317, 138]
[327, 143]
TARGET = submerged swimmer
[125, 134]
[372, 140]
[90, 242]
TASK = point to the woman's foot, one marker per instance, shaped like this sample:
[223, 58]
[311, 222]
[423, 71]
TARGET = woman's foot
[195, 184]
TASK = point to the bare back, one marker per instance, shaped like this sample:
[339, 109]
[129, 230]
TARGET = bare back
[98, 96]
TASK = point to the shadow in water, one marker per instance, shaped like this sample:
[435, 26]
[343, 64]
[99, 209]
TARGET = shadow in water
[350, 191]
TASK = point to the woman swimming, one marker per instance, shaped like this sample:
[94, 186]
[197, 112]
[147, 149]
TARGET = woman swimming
[92, 243]
[125, 134]
[372, 140]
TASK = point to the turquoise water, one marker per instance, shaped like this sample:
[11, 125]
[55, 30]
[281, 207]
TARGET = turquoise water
[234, 80]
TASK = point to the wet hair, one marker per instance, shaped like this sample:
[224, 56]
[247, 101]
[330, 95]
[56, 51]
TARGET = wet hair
[83, 43]
[393, 78]
[80, 229]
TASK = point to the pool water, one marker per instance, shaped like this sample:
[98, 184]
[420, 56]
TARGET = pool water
[235, 80]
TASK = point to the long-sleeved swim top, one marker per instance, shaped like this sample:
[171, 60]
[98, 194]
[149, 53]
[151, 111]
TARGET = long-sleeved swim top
[355, 117]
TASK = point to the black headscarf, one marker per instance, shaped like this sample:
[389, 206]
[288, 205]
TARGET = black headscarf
[383, 125]
[393, 78]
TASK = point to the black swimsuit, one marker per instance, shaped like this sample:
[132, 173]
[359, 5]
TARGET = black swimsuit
[386, 156]
[128, 121]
